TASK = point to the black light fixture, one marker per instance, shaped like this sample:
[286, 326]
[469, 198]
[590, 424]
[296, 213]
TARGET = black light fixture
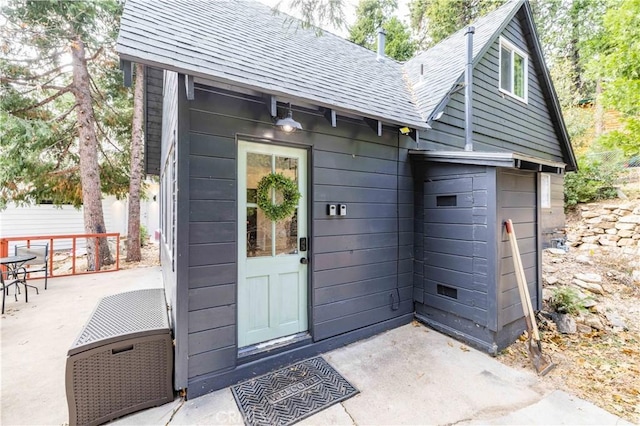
[288, 124]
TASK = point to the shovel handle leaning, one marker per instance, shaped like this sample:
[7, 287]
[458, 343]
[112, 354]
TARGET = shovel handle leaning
[521, 279]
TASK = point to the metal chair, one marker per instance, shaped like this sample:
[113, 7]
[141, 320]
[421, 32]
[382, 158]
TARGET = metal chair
[40, 263]
[12, 279]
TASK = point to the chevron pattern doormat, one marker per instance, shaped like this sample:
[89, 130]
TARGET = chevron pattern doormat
[290, 394]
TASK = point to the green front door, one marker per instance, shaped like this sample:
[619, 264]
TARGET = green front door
[272, 274]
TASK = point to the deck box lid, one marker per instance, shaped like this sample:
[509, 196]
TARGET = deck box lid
[134, 314]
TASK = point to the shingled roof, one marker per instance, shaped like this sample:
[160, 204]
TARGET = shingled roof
[245, 43]
[433, 73]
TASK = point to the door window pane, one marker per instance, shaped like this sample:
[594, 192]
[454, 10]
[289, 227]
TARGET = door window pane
[287, 235]
[258, 166]
[259, 242]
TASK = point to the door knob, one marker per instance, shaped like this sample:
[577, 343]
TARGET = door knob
[304, 260]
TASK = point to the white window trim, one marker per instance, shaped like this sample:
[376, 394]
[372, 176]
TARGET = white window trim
[545, 191]
[507, 44]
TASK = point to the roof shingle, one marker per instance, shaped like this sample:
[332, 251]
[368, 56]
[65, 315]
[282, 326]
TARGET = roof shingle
[244, 42]
[444, 64]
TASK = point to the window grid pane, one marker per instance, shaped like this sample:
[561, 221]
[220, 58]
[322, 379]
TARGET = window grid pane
[505, 69]
[518, 75]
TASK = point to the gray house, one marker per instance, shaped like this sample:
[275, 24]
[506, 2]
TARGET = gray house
[406, 172]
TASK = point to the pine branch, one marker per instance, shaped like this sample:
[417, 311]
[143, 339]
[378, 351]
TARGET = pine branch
[64, 171]
[95, 87]
[106, 157]
[61, 117]
[104, 134]
[49, 58]
[65, 151]
[102, 96]
[44, 101]
[95, 55]
[45, 74]
[39, 86]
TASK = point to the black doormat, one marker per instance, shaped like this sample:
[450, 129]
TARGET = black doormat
[291, 394]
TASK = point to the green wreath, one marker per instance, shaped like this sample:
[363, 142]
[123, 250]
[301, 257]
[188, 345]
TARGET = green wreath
[290, 195]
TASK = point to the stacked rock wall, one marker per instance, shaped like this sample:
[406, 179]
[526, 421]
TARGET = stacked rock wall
[607, 226]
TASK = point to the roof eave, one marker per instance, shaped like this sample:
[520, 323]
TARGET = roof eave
[396, 121]
[572, 164]
[493, 159]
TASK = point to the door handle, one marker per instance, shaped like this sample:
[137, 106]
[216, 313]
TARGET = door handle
[304, 260]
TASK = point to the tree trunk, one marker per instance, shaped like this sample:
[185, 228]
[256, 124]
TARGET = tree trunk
[88, 151]
[135, 180]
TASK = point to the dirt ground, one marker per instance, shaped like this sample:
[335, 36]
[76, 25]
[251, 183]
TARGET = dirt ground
[62, 261]
[599, 365]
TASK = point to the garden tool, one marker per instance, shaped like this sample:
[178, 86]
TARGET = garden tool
[541, 363]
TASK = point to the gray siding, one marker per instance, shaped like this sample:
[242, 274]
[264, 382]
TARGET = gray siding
[170, 106]
[454, 287]
[517, 201]
[552, 221]
[358, 263]
[153, 120]
[501, 123]
[467, 286]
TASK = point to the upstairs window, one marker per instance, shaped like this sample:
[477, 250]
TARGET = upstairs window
[514, 64]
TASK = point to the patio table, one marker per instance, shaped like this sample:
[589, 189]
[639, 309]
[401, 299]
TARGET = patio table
[14, 264]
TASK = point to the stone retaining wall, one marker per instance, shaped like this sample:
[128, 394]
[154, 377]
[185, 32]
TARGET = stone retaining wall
[607, 225]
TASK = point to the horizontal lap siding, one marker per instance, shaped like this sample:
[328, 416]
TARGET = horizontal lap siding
[153, 113]
[552, 220]
[454, 241]
[354, 260]
[517, 200]
[212, 245]
[501, 123]
[358, 267]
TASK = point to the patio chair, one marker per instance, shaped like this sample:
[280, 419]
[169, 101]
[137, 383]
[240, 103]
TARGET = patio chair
[40, 263]
[6, 281]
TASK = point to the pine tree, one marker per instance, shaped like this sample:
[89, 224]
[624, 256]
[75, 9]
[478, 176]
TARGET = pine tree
[51, 52]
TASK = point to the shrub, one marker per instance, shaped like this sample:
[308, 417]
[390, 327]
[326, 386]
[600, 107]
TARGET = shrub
[595, 180]
[566, 300]
[144, 235]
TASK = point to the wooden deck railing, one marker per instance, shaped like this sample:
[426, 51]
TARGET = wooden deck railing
[4, 250]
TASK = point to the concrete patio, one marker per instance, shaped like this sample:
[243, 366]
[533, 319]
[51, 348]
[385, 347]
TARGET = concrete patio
[410, 375]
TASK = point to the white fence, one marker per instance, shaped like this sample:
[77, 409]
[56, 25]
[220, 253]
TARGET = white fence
[44, 219]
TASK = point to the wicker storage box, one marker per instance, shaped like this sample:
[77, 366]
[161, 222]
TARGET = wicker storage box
[122, 361]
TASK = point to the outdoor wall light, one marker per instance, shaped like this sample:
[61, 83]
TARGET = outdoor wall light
[288, 124]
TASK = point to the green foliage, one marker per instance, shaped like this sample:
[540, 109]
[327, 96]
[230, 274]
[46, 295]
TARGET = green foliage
[373, 14]
[435, 20]
[626, 140]
[290, 196]
[399, 45]
[619, 65]
[566, 300]
[144, 235]
[316, 13]
[594, 180]
[39, 156]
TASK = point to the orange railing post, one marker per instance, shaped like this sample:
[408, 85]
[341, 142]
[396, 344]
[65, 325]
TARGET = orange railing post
[4, 252]
[4, 249]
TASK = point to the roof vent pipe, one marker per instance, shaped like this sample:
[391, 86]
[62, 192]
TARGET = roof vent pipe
[381, 41]
[468, 92]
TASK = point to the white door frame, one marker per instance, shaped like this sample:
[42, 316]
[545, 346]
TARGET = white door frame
[266, 269]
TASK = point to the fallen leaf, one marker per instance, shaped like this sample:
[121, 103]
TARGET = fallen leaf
[464, 348]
